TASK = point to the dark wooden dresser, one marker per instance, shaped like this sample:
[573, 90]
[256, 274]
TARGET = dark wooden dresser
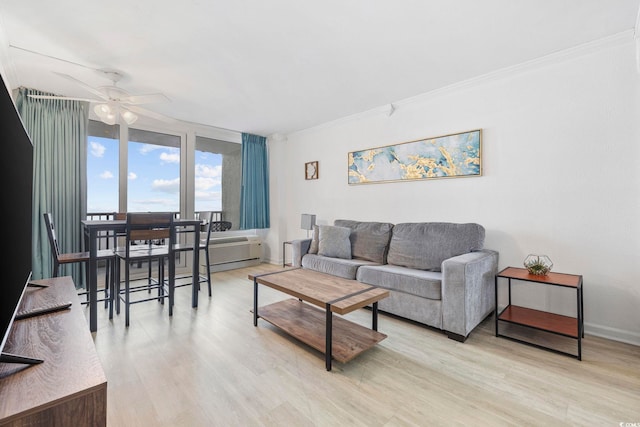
[69, 388]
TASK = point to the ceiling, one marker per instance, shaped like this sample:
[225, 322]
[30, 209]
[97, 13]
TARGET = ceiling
[278, 66]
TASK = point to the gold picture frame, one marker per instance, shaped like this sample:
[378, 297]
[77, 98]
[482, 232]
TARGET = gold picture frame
[311, 170]
[448, 156]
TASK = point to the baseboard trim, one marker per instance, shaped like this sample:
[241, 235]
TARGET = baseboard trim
[614, 334]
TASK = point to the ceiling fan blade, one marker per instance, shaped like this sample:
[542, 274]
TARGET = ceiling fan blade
[152, 114]
[84, 85]
[151, 98]
[68, 98]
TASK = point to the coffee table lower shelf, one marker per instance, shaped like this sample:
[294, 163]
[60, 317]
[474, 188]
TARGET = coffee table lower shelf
[307, 324]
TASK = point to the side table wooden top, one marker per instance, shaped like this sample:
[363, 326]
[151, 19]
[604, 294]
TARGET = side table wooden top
[559, 279]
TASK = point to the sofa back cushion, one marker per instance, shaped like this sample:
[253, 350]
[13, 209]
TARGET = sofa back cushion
[369, 240]
[334, 241]
[425, 245]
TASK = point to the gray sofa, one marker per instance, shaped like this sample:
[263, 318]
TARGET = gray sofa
[438, 273]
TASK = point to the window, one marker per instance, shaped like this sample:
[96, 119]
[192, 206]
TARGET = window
[208, 181]
[151, 162]
[218, 176]
[153, 172]
[102, 168]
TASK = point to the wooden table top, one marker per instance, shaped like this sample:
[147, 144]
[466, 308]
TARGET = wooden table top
[320, 289]
[559, 279]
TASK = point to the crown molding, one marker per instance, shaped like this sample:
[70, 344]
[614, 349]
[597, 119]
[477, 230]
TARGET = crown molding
[541, 62]
[277, 137]
[636, 30]
[6, 65]
[636, 36]
[544, 61]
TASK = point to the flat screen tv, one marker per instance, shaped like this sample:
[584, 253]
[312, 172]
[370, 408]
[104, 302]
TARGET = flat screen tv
[17, 181]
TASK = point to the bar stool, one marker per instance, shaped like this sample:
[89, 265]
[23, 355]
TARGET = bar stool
[206, 217]
[65, 258]
[149, 227]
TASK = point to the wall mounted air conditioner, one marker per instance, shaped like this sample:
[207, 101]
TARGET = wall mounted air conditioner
[227, 253]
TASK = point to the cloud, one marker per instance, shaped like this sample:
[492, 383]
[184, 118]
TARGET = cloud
[170, 157]
[208, 196]
[132, 176]
[106, 175]
[148, 148]
[96, 149]
[166, 185]
[168, 154]
[208, 171]
[206, 183]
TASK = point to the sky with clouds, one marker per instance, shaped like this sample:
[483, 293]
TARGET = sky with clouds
[153, 178]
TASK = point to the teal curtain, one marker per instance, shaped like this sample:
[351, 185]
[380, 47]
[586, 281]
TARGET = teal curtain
[58, 130]
[254, 193]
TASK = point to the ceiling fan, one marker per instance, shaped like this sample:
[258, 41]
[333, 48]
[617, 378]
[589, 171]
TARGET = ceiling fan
[114, 101]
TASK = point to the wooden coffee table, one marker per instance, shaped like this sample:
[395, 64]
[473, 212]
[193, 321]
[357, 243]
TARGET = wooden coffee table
[337, 337]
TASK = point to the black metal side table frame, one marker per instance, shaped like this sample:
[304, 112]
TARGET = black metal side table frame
[541, 320]
[284, 253]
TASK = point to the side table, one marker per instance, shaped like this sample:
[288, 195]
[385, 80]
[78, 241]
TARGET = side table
[284, 253]
[572, 327]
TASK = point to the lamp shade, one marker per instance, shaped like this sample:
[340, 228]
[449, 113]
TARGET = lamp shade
[307, 221]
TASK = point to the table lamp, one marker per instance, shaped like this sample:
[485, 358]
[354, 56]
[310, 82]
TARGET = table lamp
[307, 222]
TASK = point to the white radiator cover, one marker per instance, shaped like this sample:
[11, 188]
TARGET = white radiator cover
[226, 253]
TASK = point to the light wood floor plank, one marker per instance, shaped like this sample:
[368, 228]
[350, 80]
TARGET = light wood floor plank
[211, 367]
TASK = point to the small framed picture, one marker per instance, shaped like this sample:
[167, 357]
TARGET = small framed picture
[311, 170]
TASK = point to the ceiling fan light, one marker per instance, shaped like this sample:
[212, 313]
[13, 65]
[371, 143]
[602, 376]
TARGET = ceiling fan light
[129, 117]
[102, 110]
[109, 119]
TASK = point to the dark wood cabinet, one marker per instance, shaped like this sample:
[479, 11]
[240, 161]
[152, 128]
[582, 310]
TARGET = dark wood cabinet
[69, 388]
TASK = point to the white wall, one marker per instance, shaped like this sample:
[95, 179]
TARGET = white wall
[560, 174]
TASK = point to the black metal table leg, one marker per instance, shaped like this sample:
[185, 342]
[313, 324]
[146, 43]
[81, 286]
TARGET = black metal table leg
[92, 286]
[195, 285]
[255, 302]
[580, 320]
[582, 306]
[172, 275]
[329, 328]
[496, 298]
[374, 315]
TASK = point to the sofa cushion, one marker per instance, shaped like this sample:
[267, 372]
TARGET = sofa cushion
[421, 283]
[345, 268]
[425, 245]
[369, 240]
[334, 241]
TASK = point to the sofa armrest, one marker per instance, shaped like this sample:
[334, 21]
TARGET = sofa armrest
[299, 248]
[468, 291]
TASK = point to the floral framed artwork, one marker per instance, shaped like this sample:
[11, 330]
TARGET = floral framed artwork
[448, 156]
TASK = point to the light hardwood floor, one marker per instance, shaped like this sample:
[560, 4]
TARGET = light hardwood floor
[211, 367]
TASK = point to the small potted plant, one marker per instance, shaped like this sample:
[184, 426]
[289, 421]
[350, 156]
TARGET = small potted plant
[538, 265]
